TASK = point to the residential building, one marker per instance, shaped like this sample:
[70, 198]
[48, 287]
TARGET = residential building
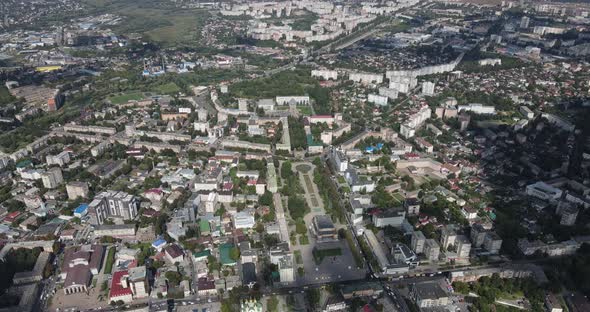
[477, 108]
[527, 112]
[377, 99]
[174, 253]
[428, 295]
[286, 269]
[417, 242]
[428, 88]
[390, 217]
[448, 236]
[206, 287]
[478, 234]
[77, 190]
[431, 250]
[339, 159]
[52, 178]
[113, 204]
[463, 246]
[568, 212]
[412, 206]
[543, 191]
[244, 220]
[60, 159]
[403, 254]
[552, 304]
[492, 242]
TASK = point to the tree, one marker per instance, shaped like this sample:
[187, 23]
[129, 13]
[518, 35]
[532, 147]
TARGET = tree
[266, 199]
[286, 170]
[272, 304]
[234, 253]
[212, 264]
[173, 278]
[300, 227]
[460, 287]
[313, 296]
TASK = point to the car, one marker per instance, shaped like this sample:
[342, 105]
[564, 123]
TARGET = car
[209, 300]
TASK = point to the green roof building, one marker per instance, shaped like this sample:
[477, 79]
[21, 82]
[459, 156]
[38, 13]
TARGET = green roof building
[224, 254]
[201, 255]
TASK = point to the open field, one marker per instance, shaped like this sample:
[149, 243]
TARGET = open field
[126, 97]
[160, 22]
[169, 88]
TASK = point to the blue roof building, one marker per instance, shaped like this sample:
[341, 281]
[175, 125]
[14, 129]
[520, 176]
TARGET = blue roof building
[159, 244]
[81, 211]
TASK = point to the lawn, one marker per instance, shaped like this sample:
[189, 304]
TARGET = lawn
[341, 180]
[126, 97]
[293, 239]
[303, 240]
[110, 260]
[298, 257]
[304, 110]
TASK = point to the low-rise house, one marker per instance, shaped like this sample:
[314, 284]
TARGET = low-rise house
[174, 253]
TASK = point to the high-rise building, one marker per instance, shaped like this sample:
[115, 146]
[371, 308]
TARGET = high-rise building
[524, 22]
[448, 236]
[428, 88]
[417, 243]
[492, 242]
[431, 250]
[478, 234]
[463, 246]
[112, 204]
[52, 178]
[286, 269]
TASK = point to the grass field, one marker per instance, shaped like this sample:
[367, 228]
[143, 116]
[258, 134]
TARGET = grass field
[169, 88]
[108, 268]
[304, 110]
[303, 240]
[158, 21]
[126, 97]
[298, 257]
